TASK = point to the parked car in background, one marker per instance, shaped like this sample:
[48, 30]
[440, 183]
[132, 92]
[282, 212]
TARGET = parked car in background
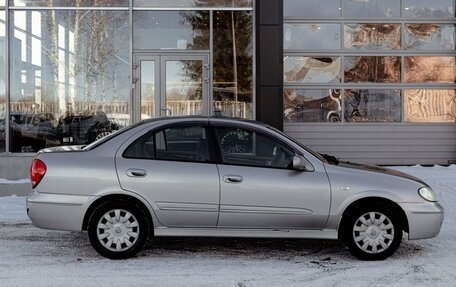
[31, 132]
[199, 176]
[84, 128]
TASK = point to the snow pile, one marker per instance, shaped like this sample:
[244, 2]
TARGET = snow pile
[14, 181]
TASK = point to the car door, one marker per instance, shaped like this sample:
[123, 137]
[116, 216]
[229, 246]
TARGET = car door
[260, 188]
[172, 168]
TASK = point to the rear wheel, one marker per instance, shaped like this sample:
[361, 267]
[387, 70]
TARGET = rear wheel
[372, 233]
[118, 230]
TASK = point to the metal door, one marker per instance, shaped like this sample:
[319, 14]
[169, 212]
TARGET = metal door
[171, 85]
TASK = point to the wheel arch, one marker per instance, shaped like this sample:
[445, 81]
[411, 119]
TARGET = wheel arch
[376, 201]
[118, 197]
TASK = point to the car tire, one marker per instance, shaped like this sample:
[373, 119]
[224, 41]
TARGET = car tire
[372, 233]
[118, 229]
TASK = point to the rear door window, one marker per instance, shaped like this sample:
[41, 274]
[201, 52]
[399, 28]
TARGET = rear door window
[176, 144]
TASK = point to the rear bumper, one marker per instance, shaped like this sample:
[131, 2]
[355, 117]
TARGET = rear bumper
[57, 211]
[424, 219]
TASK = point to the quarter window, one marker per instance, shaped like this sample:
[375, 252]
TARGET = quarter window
[245, 147]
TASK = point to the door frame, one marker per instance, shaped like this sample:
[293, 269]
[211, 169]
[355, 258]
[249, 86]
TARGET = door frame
[160, 79]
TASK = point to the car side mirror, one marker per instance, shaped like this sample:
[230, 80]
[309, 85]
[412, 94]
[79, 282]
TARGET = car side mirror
[302, 164]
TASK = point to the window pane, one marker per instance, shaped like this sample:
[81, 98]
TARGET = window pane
[372, 105]
[69, 77]
[372, 69]
[73, 3]
[2, 82]
[311, 36]
[244, 147]
[233, 64]
[371, 8]
[430, 106]
[182, 144]
[372, 36]
[148, 89]
[183, 30]
[430, 69]
[311, 105]
[143, 148]
[429, 36]
[311, 69]
[428, 9]
[311, 9]
[192, 3]
[184, 87]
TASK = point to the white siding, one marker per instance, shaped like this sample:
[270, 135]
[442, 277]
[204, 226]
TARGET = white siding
[385, 144]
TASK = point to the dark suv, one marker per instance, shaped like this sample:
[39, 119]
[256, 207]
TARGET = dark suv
[84, 128]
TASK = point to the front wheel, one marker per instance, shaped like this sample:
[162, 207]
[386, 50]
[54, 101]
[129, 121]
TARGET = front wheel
[118, 230]
[372, 233]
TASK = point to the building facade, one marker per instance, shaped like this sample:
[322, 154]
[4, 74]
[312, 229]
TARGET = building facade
[364, 80]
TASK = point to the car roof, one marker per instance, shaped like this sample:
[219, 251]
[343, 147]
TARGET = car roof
[203, 118]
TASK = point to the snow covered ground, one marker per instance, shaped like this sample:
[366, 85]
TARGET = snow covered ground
[35, 257]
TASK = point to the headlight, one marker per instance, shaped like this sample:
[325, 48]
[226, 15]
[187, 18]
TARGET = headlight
[427, 193]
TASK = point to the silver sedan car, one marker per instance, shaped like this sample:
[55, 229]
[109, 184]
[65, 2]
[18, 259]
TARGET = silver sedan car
[200, 176]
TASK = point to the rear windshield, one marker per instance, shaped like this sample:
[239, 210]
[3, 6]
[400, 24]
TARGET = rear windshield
[107, 138]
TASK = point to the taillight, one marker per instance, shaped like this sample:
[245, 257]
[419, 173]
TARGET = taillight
[37, 171]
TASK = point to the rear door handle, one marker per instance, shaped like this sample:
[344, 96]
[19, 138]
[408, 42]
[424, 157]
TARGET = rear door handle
[231, 178]
[136, 172]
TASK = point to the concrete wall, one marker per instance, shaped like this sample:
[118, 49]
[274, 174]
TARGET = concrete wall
[13, 170]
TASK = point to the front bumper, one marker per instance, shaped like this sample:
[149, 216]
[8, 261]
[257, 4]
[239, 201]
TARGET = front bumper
[57, 211]
[424, 219]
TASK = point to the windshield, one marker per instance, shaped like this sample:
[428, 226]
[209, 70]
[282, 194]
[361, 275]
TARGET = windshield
[315, 154]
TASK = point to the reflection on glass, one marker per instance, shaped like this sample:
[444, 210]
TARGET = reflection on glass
[311, 9]
[372, 69]
[311, 36]
[184, 88]
[372, 105]
[371, 8]
[425, 69]
[428, 9]
[192, 3]
[68, 3]
[233, 64]
[311, 69]
[372, 36]
[429, 36]
[182, 30]
[430, 106]
[2, 82]
[311, 105]
[69, 77]
[147, 89]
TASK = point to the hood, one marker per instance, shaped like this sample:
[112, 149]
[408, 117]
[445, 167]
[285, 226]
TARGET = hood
[378, 169]
[72, 148]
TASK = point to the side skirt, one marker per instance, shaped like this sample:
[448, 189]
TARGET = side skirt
[258, 233]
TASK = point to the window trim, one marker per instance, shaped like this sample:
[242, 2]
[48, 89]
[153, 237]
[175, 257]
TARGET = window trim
[156, 130]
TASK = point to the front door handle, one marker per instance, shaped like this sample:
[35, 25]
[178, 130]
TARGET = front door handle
[136, 172]
[231, 178]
